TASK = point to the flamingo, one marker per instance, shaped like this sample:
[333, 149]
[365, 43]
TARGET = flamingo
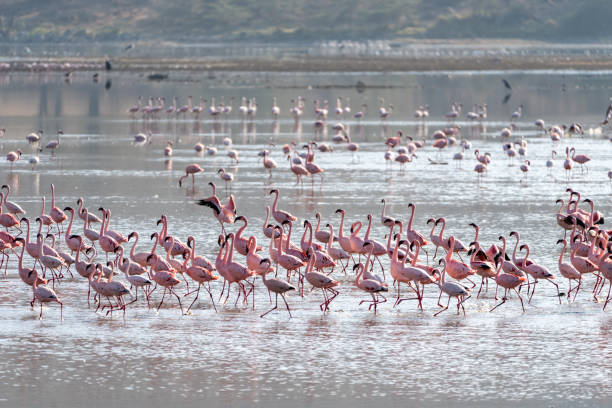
[54, 144]
[567, 164]
[8, 220]
[34, 137]
[278, 286]
[412, 234]
[12, 207]
[507, 280]
[191, 169]
[569, 272]
[224, 213]
[168, 280]
[371, 286]
[90, 218]
[28, 276]
[12, 157]
[452, 289]
[538, 272]
[280, 215]
[198, 260]
[320, 281]
[268, 163]
[56, 214]
[299, 170]
[137, 281]
[320, 235]
[200, 275]
[43, 294]
[337, 254]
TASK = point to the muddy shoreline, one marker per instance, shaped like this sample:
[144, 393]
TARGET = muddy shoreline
[316, 64]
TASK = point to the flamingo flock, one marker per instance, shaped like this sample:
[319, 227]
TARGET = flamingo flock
[172, 268]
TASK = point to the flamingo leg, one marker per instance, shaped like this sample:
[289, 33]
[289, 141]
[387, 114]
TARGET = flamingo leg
[446, 308]
[504, 300]
[162, 300]
[274, 308]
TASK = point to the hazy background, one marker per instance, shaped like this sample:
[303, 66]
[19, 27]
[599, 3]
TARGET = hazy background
[294, 20]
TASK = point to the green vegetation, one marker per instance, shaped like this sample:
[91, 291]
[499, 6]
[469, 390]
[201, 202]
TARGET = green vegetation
[213, 20]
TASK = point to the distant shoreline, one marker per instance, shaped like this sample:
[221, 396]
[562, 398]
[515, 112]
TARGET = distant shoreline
[314, 64]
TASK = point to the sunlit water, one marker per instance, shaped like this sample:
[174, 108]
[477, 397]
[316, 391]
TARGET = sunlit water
[551, 355]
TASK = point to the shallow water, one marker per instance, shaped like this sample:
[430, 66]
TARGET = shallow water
[551, 355]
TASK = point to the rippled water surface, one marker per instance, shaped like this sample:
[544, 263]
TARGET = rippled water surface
[551, 355]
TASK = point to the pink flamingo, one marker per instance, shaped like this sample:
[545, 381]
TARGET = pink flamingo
[201, 276]
[452, 289]
[198, 260]
[268, 163]
[43, 294]
[412, 234]
[507, 280]
[12, 157]
[8, 220]
[46, 219]
[337, 254]
[538, 272]
[459, 246]
[371, 286]
[279, 215]
[237, 272]
[569, 272]
[12, 207]
[384, 219]
[135, 108]
[28, 276]
[320, 281]
[56, 214]
[320, 235]
[299, 171]
[581, 159]
[567, 164]
[278, 286]
[191, 169]
[224, 213]
[90, 218]
[137, 281]
[176, 247]
[168, 280]
[139, 258]
[71, 241]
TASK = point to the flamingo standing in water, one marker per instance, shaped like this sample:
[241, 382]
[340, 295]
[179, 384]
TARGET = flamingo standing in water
[320, 280]
[371, 286]
[569, 271]
[581, 159]
[452, 289]
[168, 280]
[278, 286]
[507, 280]
[56, 214]
[43, 294]
[8, 220]
[280, 215]
[224, 213]
[12, 207]
[567, 163]
[191, 169]
[538, 272]
[12, 157]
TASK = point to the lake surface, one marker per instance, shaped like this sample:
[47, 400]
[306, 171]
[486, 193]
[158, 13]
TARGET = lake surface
[551, 355]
